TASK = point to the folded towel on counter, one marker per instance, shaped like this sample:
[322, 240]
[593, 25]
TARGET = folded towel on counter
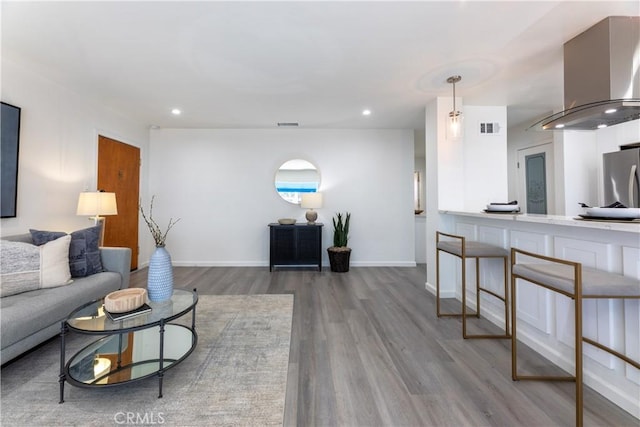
[612, 205]
[513, 202]
[615, 205]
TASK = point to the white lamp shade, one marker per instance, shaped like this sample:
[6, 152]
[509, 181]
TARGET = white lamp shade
[97, 203]
[311, 200]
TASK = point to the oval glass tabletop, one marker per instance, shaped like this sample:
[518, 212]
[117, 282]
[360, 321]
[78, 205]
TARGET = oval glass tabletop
[129, 356]
[92, 318]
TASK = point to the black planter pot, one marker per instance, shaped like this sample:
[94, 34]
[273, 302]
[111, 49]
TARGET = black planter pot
[339, 259]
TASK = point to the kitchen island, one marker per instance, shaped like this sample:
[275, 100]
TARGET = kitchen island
[545, 318]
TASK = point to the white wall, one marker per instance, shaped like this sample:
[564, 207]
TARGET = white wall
[577, 162]
[420, 164]
[449, 158]
[472, 169]
[577, 173]
[463, 174]
[58, 149]
[434, 113]
[220, 183]
[485, 158]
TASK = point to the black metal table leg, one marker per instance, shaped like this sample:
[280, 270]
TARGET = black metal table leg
[161, 361]
[119, 360]
[62, 377]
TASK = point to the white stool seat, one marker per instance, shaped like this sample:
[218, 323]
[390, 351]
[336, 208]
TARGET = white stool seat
[595, 283]
[473, 249]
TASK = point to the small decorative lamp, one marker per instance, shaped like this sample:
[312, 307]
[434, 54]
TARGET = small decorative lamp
[95, 204]
[311, 201]
[101, 366]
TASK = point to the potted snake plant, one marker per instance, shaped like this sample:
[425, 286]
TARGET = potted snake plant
[340, 253]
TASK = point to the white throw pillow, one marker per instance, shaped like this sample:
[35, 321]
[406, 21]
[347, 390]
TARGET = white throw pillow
[20, 267]
[54, 263]
[25, 267]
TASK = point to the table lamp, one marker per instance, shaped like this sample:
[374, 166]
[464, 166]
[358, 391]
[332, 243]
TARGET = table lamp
[311, 201]
[96, 204]
[101, 366]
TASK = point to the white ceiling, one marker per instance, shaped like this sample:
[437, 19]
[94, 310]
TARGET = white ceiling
[253, 64]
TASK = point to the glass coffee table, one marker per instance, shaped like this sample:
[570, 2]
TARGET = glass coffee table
[132, 349]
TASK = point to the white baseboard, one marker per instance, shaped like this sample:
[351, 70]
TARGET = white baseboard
[443, 294]
[383, 263]
[221, 264]
[266, 264]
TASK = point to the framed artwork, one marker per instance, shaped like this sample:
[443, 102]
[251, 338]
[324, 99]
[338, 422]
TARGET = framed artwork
[9, 145]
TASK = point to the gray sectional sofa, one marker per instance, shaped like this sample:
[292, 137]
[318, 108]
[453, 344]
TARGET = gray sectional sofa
[30, 318]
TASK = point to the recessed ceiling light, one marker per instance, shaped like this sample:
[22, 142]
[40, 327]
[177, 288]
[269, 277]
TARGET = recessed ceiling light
[602, 125]
[560, 126]
[610, 110]
[366, 112]
[176, 112]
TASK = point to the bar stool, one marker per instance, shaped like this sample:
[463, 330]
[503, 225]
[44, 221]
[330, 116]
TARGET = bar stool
[464, 249]
[576, 282]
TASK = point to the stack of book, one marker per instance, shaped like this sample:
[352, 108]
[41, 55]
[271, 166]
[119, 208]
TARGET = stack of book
[144, 308]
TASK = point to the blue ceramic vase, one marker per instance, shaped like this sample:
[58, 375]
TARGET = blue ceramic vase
[160, 279]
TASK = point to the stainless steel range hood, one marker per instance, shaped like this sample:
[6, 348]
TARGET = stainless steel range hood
[601, 77]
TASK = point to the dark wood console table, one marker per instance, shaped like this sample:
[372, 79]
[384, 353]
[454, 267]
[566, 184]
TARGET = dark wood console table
[296, 245]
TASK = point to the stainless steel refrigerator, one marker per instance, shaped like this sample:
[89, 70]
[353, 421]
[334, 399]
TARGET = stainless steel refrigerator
[621, 170]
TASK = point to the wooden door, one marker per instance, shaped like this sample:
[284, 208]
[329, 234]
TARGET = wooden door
[119, 172]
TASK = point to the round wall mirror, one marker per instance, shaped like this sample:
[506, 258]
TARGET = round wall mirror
[296, 177]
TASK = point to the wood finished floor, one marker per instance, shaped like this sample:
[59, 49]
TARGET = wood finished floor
[368, 350]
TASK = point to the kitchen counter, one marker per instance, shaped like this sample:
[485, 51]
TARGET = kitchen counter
[542, 315]
[625, 226]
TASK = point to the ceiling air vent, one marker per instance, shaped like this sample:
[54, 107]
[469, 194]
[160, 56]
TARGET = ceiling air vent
[489, 128]
[287, 124]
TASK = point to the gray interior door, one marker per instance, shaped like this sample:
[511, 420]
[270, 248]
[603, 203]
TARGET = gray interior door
[536, 183]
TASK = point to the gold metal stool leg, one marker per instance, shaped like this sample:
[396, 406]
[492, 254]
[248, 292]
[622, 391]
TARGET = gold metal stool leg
[505, 299]
[439, 312]
[461, 253]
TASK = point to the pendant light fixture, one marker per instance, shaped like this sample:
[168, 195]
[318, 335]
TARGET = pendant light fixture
[455, 116]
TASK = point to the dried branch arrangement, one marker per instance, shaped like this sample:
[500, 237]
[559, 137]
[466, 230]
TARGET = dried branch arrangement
[154, 228]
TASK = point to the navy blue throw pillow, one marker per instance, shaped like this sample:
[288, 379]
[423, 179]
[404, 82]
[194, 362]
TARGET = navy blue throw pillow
[84, 250]
[41, 237]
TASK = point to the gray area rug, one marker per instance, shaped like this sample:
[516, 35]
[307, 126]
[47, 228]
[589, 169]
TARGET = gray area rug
[236, 376]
